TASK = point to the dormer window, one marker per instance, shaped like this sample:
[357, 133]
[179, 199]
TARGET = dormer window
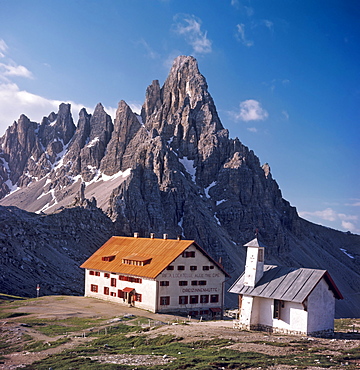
[107, 258]
[136, 260]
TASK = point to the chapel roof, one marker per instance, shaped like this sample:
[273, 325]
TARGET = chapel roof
[255, 243]
[285, 283]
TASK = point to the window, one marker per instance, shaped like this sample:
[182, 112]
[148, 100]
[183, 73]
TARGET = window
[134, 279]
[113, 282]
[181, 268]
[211, 267]
[136, 260]
[194, 282]
[107, 258]
[120, 294]
[261, 255]
[214, 298]
[106, 274]
[204, 312]
[183, 299]
[193, 313]
[202, 282]
[164, 283]
[194, 299]
[189, 254]
[94, 288]
[113, 294]
[204, 299]
[193, 268]
[106, 290]
[170, 268]
[91, 272]
[97, 273]
[164, 301]
[205, 268]
[138, 297]
[277, 308]
[183, 283]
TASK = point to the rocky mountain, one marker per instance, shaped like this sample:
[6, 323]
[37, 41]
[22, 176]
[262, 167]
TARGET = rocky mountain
[173, 169]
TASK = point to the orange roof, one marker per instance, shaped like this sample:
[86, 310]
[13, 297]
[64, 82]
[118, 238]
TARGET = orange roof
[161, 252]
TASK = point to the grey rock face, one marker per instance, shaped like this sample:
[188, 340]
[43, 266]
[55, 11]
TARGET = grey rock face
[126, 126]
[47, 250]
[173, 170]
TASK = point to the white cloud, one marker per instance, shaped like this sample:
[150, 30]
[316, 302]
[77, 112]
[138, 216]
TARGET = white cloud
[135, 107]
[348, 226]
[14, 102]
[249, 11]
[189, 26]
[356, 204]
[150, 52]
[240, 35]
[251, 110]
[327, 214]
[3, 46]
[331, 215]
[252, 129]
[285, 114]
[14, 70]
[268, 24]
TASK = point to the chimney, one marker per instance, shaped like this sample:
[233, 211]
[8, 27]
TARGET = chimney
[152, 235]
[165, 236]
[136, 235]
[179, 237]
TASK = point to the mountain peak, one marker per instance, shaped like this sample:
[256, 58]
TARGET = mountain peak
[176, 171]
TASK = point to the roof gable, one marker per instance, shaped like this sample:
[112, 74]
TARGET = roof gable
[145, 257]
[285, 283]
[255, 243]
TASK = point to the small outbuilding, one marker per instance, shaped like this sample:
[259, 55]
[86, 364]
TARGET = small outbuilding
[284, 299]
[159, 275]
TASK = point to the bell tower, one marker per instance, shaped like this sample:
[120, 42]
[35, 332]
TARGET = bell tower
[254, 267]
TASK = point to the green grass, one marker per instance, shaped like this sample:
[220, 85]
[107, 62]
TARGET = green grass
[10, 297]
[268, 343]
[37, 346]
[344, 325]
[9, 315]
[54, 327]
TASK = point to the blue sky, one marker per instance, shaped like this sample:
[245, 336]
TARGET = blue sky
[285, 77]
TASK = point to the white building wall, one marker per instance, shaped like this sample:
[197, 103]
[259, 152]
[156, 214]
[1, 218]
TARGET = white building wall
[246, 312]
[147, 289]
[259, 312]
[293, 317]
[321, 308]
[212, 275]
